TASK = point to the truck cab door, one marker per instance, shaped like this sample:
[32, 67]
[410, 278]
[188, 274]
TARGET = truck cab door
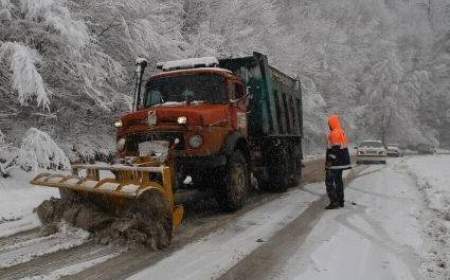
[240, 101]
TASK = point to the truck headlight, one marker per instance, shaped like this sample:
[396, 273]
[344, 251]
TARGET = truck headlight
[152, 118]
[121, 144]
[118, 124]
[196, 141]
[182, 120]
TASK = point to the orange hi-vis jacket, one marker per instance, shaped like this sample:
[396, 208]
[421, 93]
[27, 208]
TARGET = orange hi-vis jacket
[337, 136]
[338, 156]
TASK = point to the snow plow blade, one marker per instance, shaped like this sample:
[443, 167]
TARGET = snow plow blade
[130, 184]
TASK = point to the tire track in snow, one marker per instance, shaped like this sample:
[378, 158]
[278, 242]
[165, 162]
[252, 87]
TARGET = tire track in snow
[19, 238]
[61, 263]
[286, 242]
[29, 249]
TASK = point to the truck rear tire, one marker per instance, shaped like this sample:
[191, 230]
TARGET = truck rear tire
[278, 166]
[295, 162]
[234, 185]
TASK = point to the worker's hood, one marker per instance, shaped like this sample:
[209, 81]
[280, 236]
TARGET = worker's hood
[334, 122]
[197, 115]
[337, 136]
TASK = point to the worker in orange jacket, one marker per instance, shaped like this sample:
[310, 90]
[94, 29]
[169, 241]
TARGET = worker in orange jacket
[337, 160]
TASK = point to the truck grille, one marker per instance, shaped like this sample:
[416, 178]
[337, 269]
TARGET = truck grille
[134, 140]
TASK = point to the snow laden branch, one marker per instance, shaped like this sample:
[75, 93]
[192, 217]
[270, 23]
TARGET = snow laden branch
[56, 15]
[25, 76]
[8, 155]
[5, 7]
[39, 150]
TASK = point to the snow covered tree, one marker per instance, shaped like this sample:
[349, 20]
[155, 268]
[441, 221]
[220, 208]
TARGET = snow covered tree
[26, 79]
[8, 156]
[39, 150]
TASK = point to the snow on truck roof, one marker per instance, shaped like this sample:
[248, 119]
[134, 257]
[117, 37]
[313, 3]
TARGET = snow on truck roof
[191, 71]
[188, 63]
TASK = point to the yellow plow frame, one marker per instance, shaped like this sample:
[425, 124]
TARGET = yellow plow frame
[130, 183]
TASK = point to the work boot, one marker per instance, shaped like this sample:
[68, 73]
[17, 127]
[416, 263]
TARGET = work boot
[332, 205]
[341, 204]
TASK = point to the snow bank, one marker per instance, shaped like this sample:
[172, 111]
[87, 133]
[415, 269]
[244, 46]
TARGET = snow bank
[432, 175]
[433, 178]
[18, 200]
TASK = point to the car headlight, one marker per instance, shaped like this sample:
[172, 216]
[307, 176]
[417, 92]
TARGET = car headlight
[121, 144]
[118, 124]
[196, 141]
[182, 120]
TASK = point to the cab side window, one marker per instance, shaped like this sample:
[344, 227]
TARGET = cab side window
[237, 91]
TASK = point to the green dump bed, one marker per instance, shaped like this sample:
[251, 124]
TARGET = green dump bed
[276, 106]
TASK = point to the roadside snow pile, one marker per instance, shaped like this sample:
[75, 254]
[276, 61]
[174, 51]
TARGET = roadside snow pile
[151, 228]
[17, 201]
[433, 178]
[432, 174]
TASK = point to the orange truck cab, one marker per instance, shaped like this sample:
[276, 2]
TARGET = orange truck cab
[221, 122]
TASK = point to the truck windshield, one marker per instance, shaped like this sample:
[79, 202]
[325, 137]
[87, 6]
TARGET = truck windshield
[172, 90]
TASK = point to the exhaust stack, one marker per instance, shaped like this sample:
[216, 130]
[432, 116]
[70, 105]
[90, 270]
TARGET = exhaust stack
[141, 64]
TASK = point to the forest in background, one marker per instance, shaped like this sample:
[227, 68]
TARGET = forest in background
[66, 67]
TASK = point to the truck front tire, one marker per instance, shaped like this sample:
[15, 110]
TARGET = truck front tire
[234, 183]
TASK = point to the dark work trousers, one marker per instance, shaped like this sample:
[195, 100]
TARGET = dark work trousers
[335, 185]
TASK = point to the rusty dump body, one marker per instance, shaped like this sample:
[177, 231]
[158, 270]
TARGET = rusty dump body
[202, 127]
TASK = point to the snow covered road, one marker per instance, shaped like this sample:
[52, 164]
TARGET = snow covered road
[380, 234]
[386, 231]
[377, 238]
[395, 226]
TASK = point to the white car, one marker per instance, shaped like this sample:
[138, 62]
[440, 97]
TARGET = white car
[393, 151]
[371, 151]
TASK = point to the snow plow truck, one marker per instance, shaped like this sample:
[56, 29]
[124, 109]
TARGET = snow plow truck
[203, 125]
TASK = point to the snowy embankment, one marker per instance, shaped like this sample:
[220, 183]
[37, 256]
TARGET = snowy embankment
[23, 243]
[433, 180]
[17, 202]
